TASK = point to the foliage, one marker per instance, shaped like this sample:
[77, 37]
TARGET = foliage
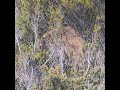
[72, 3]
[42, 56]
[41, 68]
[55, 81]
[96, 28]
[55, 18]
[23, 20]
[26, 48]
[87, 3]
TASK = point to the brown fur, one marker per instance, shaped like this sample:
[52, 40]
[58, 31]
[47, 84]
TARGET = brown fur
[73, 44]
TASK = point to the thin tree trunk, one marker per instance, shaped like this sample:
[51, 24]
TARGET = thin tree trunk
[18, 43]
[61, 59]
[36, 21]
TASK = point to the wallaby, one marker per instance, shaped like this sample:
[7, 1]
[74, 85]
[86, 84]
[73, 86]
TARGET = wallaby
[71, 42]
